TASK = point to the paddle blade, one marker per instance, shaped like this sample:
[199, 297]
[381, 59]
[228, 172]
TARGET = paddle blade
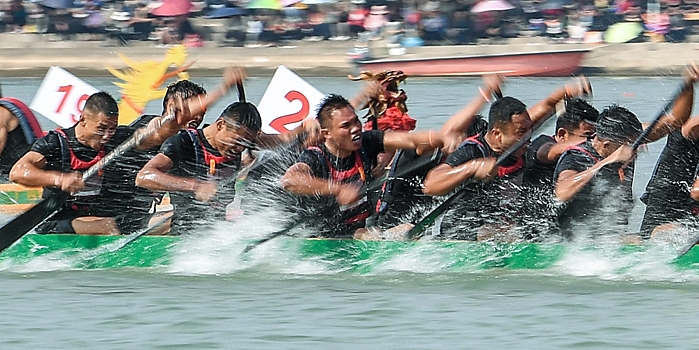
[19, 226]
[418, 230]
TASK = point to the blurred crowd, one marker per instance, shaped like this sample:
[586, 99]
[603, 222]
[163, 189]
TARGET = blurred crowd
[401, 23]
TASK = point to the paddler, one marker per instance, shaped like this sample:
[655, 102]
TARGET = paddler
[18, 131]
[332, 178]
[591, 178]
[492, 206]
[130, 205]
[401, 198]
[671, 202]
[56, 161]
[199, 167]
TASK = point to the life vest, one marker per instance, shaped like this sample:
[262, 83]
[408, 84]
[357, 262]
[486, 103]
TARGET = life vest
[388, 190]
[578, 148]
[27, 121]
[360, 210]
[502, 170]
[207, 162]
[71, 162]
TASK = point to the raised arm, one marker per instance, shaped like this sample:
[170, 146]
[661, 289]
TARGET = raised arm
[423, 141]
[681, 109]
[231, 76]
[579, 86]
[455, 127]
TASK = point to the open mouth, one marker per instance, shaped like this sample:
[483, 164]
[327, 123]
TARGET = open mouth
[356, 138]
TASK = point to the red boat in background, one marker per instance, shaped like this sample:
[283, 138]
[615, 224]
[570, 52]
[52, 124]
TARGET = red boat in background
[557, 63]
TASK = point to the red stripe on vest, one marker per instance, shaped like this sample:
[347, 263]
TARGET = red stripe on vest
[502, 170]
[75, 163]
[580, 149]
[338, 175]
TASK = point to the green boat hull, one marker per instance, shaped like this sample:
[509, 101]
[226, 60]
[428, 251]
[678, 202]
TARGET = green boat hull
[89, 252]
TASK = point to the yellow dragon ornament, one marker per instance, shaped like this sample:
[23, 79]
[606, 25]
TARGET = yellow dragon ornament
[142, 81]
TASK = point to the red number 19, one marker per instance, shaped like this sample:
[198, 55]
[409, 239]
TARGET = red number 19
[78, 106]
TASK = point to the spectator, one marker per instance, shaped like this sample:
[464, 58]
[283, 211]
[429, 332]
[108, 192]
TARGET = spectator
[16, 16]
[176, 32]
[434, 24]
[356, 17]
[375, 21]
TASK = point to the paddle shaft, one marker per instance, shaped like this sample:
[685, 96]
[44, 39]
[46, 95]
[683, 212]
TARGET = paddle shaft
[25, 222]
[418, 230]
[644, 135]
[241, 91]
[374, 186]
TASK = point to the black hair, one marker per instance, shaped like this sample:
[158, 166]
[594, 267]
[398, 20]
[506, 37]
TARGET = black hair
[184, 89]
[502, 110]
[618, 124]
[102, 102]
[242, 114]
[479, 126]
[577, 111]
[329, 104]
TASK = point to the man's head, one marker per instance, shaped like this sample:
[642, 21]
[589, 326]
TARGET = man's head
[339, 124]
[237, 128]
[189, 92]
[578, 122]
[98, 121]
[617, 126]
[508, 122]
[479, 126]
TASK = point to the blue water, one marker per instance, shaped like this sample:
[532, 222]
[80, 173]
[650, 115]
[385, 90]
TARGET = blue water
[211, 297]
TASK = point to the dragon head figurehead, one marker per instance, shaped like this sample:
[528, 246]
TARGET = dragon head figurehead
[142, 81]
[389, 103]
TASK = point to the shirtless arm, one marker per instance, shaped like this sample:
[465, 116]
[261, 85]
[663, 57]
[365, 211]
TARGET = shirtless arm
[579, 86]
[444, 178]
[231, 76]
[552, 151]
[154, 176]
[694, 192]
[690, 129]
[299, 180]
[455, 127]
[6, 119]
[309, 126]
[570, 182]
[29, 171]
[681, 109]
[423, 141]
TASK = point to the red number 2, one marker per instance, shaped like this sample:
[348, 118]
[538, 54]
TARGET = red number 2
[280, 123]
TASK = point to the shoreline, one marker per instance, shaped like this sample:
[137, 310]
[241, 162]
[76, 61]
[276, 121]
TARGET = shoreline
[26, 55]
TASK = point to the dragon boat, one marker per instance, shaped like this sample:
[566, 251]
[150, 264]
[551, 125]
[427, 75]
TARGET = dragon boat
[16, 198]
[98, 252]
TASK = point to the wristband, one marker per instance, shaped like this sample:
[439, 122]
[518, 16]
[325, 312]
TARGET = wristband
[201, 104]
[485, 96]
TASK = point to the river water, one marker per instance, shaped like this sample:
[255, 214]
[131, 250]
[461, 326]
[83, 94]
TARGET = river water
[210, 297]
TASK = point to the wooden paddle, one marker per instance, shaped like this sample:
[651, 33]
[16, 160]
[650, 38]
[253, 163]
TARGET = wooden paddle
[25, 222]
[418, 230]
[374, 186]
